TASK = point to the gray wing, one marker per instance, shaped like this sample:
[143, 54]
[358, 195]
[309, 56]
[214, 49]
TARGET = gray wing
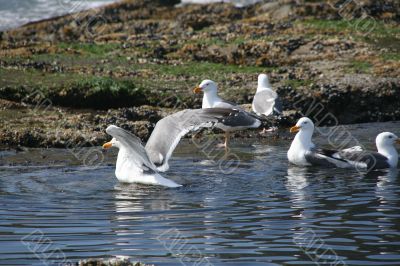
[278, 108]
[134, 146]
[351, 157]
[266, 102]
[239, 120]
[365, 159]
[326, 158]
[171, 129]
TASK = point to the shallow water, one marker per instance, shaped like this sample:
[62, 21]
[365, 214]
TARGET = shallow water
[265, 212]
[14, 13]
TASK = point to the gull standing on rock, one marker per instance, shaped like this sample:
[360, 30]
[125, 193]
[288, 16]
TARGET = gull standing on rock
[266, 101]
[242, 120]
[141, 164]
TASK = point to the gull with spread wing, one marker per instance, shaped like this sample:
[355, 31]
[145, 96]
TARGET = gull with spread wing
[137, 163]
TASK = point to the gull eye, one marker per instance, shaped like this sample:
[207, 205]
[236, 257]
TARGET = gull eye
[390, 137]
[305, 123]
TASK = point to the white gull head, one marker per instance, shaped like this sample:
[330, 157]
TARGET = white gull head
[263, 82]
[112, 143]
[210, 90]
[385, 144]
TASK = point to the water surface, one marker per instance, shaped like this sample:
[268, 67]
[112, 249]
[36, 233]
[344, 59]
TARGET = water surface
[14, 13]
[266, 212]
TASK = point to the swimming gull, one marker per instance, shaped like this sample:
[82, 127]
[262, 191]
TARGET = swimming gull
[386, 156]
[303, 151]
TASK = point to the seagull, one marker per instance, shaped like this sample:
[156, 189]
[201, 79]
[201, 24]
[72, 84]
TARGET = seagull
[137, 163]
[386, 157]
[243, 120]
[266, 101]
[303, 151]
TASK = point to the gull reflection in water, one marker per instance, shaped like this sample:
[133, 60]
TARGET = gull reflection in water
[296, 182]
[135, 206]
[132, 199]
[385, 189]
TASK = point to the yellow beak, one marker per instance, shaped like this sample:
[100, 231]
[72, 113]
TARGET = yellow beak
[197, 90]
[398, 141]
[107, 145]
[294, 129]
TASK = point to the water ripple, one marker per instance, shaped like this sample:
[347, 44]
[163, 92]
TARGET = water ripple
[270, 215]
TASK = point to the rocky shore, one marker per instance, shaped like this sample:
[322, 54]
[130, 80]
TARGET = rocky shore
[63, 80]
[110, 262]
